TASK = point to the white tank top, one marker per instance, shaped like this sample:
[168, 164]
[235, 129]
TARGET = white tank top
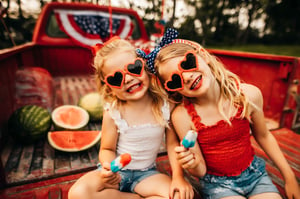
[142, 142]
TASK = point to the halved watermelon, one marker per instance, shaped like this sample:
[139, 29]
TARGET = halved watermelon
[73, 141]
[69, 117]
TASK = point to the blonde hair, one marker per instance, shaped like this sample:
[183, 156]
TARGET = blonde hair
[100, 58]
[229, 82]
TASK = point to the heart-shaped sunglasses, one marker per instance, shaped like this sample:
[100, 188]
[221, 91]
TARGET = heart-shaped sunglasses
[189, 63]
[117, 79]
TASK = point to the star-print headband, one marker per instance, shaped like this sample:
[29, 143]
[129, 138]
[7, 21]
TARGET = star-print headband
[168, 37]
[116, 80]
[188, 63]
[198, 48]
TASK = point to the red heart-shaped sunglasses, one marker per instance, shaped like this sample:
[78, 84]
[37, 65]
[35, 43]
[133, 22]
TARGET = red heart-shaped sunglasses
[117, 79]
[189, 63]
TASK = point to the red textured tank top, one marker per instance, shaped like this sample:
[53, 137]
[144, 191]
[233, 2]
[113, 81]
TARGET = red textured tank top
[226, 148]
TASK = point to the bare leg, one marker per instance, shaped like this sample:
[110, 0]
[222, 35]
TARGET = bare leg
[266, 196]
[90, 186]
[154, 187]
[234, 197]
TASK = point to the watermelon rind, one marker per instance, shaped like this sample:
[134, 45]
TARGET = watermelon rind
[92, 103]
[60, 125]
[29, 124]
[59, 147]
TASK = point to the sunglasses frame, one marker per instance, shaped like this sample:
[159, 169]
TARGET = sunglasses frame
[124, 72]
[181, 70]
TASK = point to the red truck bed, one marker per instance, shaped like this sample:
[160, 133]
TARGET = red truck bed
[39, 171]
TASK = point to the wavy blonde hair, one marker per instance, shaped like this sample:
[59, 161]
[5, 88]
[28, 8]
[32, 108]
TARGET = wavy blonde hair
[154, 90]
[229, 82]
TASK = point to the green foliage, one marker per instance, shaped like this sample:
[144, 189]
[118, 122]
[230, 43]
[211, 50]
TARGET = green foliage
[288, 50]
[220, 21]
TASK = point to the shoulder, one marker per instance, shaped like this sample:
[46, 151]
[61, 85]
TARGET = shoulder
[107, 118]
[110, 114]
[179, 114]
[181, 120]
[253, 94]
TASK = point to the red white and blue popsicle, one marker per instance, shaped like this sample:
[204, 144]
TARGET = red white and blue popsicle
[189, 139]
[120, 162]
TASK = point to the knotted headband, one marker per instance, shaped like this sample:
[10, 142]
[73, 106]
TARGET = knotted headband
[168, 38]
[199, 49]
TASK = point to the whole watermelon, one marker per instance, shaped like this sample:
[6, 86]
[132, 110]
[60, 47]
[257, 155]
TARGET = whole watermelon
[92, 103]
[29, 124]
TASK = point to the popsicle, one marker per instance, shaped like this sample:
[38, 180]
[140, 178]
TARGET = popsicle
[189, 139]
[120, 162]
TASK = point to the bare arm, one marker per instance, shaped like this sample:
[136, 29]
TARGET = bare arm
[178, 182]
[267, 141]
[190, 159]
[108, 139]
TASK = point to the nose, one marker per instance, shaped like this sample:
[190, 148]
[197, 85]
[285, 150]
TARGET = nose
[128, 79]
[187, 77]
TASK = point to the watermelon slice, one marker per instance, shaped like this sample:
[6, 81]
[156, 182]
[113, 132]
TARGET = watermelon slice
[69, 117]
[73, 141]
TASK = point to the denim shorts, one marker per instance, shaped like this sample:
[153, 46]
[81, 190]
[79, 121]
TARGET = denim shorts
[254, 180]
[130, 178]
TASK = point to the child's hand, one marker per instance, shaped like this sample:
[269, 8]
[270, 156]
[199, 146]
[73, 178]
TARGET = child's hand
[185, 157]
[181, 189]
[292, 189]
[110, 179]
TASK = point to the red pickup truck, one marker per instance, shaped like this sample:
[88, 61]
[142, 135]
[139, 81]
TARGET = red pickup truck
[61, 48]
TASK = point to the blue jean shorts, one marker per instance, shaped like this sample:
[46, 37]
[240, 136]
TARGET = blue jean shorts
[130, 178]
[254, 180]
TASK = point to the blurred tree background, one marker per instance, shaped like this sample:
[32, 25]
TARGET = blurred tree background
[210, 22]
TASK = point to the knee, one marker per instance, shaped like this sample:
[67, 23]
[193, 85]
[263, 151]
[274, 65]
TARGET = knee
[78, 192]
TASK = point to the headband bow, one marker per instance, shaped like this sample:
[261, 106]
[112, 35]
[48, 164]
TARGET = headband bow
[98, 46]
[168, 38]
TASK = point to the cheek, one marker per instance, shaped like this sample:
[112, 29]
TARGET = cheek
[146, 80]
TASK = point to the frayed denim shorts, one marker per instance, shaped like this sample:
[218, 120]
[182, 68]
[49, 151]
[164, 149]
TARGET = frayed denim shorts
[254, 180]
[130, 178]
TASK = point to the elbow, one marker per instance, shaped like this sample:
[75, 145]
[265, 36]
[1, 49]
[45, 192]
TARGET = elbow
[203, 172]
[200, 171]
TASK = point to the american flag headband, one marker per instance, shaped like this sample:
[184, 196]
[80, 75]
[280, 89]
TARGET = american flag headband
[199, 49]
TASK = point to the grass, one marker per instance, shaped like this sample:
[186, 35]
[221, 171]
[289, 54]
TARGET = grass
[288, 50]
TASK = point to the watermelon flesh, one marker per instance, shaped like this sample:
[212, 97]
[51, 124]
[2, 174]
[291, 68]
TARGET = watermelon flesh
[69, 117]
[72, 141]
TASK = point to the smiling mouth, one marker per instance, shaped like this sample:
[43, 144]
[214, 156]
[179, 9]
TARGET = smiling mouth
[197, 83]
[134, 88]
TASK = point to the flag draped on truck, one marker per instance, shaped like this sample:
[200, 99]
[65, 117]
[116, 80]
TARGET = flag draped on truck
[88, 27]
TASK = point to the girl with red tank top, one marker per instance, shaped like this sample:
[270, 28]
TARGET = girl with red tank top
[225, 113]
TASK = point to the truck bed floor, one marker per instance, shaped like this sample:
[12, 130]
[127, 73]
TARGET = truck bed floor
[25, 164]
[39, 171]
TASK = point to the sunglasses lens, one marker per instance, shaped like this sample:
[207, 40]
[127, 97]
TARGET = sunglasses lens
[189, 62]
[115, 80]
[175, 83]
[136, 68]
